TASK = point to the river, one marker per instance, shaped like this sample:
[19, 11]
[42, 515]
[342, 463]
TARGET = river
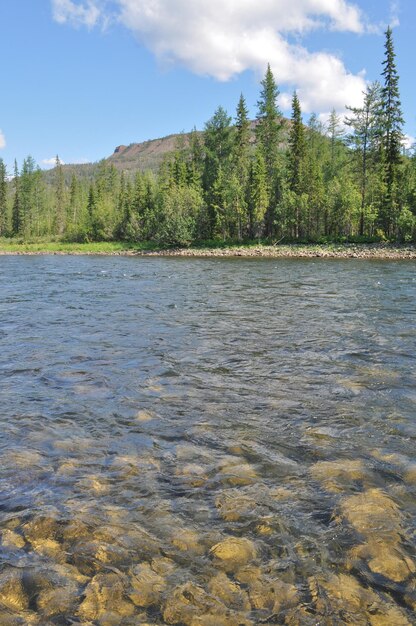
[207, 441]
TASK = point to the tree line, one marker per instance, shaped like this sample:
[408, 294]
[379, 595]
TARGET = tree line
[272, 179]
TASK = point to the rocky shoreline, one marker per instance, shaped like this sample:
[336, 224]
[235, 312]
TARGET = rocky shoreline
[342, 251]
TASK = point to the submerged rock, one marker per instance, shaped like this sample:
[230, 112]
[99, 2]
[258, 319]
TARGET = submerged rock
[236, 473]
[147, 586]
[234, 552]
[40, 528]
[232, 505]
[187, 541]
[188, 602]
[51, 549]
[229, 592]
[335, 476]
[346, 600]
[273, 595]
[105, 598]
[387, 559]
[57, 601]
[10, 539]
[12, 592]
[371, 512]
[192, 474]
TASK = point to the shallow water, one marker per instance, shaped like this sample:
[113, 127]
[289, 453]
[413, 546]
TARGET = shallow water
[207, 442]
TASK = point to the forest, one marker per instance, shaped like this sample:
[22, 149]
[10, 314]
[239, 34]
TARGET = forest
[270, 179]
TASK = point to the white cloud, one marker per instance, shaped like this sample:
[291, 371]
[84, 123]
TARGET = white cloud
[222, 38]
[85, 13]
[51, 162]
[409, 142]
[2, 140]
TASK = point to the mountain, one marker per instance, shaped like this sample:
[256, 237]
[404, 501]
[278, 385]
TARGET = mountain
[144, 156]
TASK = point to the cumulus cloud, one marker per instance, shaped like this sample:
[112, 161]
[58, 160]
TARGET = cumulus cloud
[222, 38]
[51, 162]
[409, 142]
[78, 13]
[2, 140]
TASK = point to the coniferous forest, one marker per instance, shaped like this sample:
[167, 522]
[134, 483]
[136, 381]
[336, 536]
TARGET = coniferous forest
[271, 179]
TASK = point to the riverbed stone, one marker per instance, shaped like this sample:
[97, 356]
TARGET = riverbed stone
[187, 540]
[38, 528]
[147, 586]
[57, 601]
[105, 596]
[12, 592]
[237, 473]
[371, 511]
[274, 595]
[343, 597]
[336, 476]
[233, 505]
[50, 548]
[11, 539]
[233, 552]
[189, 601]
[193, 474]
[386, 559]
[248, 574]
[230, 593]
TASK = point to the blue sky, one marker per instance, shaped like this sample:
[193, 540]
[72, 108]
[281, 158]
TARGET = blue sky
[83, 76]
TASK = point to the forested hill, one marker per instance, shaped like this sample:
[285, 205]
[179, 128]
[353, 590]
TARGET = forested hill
[147, 156]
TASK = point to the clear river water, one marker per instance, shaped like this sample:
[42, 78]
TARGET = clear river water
[207, 442]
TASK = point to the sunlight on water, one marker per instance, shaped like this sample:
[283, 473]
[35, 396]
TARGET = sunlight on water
[207, 442]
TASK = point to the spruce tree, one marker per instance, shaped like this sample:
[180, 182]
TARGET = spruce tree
[16, 211]
[3, 198]
[73, 197]
[257, 195]
[59, 197]
[268, 135]
[218, 147]
[27, 195]
[241, 163]
[392, 127]
[296, 160]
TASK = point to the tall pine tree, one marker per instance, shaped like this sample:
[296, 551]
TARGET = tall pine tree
[3, 198]
[16, 211]
[268, 135]
[392, 127]
[297, 154]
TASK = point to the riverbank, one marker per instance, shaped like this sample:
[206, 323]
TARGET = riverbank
[356, 251]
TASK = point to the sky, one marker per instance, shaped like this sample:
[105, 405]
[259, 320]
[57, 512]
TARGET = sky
[80, 77]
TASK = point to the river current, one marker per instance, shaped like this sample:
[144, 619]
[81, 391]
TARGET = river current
[207, 442]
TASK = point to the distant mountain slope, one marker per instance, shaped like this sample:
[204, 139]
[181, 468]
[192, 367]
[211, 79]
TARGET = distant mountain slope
[147, 155]
[144, 156]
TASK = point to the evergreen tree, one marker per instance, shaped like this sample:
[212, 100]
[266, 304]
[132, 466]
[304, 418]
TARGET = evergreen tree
[240, 171]
[27, 195]
[218, 147]
[3, 198]
[73, 198]
[16, 211]
[296, 158]
[60, 217]
[268, 135]
[392, 130]
[257, 195]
